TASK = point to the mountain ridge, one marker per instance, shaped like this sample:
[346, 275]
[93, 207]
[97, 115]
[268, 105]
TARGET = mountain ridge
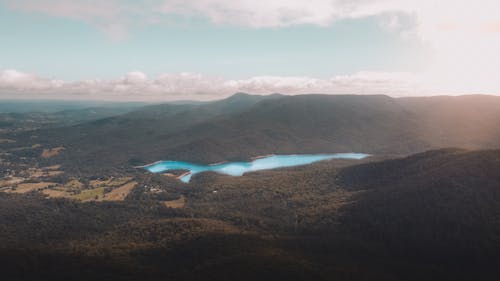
[242, 126]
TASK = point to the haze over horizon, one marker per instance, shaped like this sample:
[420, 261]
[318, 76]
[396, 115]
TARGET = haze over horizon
[164, 50]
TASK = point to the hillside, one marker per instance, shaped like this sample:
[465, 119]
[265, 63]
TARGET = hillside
[28, 121]
[243, 126]
[438, 206]
[430, 216]
[427, 216]
[464, 121]
[239, 127]
[130, 138]
[304, 124]
[54, 106]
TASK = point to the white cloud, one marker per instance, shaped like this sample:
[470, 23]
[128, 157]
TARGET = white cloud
[116, 14]
[464, 34]
[19, 81]
[112, 17]
[135, 77]
[176, 86]
[112, 14]
[394, 84]
[263, 13]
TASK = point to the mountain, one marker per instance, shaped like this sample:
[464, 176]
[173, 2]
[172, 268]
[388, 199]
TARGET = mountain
[303, 124]
[404, 213]
[243, 126]
[137, 136]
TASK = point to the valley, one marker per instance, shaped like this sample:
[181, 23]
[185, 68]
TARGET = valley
[239, 140]
[77, 196]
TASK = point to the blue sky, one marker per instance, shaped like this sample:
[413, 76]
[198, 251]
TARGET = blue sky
[75, 47]
[70, 49]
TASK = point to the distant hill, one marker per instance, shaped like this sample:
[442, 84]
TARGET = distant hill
[243, 126]
[464, 121]
[28, 121]
[52, 106]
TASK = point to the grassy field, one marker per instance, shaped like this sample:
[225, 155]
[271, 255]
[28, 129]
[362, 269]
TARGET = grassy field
[112, 182]
[28, 187]
[56, 193]
[73, 184]
[53, 167]
[176, 204]
[120, 193]
[10, 181]
[90, 194]
[51, 152]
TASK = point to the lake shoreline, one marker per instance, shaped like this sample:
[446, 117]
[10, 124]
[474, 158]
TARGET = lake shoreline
[258, 163]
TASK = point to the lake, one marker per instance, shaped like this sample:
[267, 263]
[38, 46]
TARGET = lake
[239, 168]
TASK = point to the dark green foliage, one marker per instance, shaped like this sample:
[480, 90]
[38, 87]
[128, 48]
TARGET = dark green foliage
[429, 216]
[432, 216]
[440, 206]
[243, 126]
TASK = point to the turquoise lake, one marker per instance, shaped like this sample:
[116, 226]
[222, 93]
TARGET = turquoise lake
[239, 168]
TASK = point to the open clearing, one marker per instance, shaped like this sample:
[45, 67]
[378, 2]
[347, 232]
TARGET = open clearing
[51, 152]
[73, 184]
[27, 187]
[52, 168]
[55, 193]
[176, 204]
[113, 182]
[120, 193]
[54, 173]
[90, 194]
[10, 181]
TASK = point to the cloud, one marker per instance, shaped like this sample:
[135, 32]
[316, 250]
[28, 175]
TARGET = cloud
[271, 13]
[112, 17]
[276, 13]
[463, 34]
[116, 14]
[178, 86]
[116, 18]
[394, 84]
[19, 81]
[431, 20]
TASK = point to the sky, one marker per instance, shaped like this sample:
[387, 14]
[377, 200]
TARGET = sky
[160, 50]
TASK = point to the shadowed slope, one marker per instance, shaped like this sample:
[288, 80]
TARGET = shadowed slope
[440, 206]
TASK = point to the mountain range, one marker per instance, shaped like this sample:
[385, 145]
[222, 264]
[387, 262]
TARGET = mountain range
[422, 206]
[244, 126]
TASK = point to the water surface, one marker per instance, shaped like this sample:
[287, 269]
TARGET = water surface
[239, 168]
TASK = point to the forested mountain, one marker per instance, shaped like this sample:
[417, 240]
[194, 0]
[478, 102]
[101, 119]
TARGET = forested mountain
[243, 126]
[72, 205]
